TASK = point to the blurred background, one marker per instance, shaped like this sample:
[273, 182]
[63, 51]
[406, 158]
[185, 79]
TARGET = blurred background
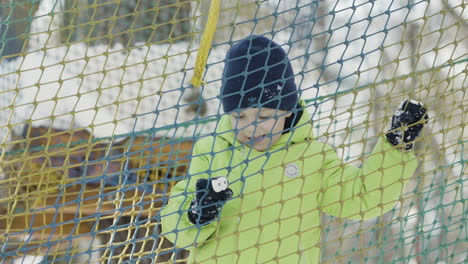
[98, 116]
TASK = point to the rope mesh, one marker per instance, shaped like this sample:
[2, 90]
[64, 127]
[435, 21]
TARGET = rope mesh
[99, 119]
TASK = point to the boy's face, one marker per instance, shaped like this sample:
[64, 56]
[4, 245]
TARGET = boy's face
[259, 127]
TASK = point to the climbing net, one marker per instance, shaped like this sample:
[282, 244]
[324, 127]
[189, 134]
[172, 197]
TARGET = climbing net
[101, 103]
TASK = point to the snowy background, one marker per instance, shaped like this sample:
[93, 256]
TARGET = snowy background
[355, 61]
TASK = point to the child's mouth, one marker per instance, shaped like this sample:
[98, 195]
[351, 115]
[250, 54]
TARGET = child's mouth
[257, 139]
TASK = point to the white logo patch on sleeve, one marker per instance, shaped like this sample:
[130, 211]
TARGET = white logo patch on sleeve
[291, 170]
[219, 184]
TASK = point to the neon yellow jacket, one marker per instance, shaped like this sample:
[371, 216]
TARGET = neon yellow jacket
[278, 194]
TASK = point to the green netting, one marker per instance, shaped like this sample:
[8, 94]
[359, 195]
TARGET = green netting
[98, 119]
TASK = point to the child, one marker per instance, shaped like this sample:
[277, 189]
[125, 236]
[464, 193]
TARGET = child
[257, 185]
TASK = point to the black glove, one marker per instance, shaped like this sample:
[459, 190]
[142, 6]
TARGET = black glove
[210, 197]
[407, 123]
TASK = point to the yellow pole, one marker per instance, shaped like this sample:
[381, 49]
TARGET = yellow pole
[205, 44]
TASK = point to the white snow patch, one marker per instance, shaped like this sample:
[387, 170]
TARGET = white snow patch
[28, 259]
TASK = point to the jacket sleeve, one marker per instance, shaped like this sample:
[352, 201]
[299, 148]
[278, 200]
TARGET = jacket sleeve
[367, 192]
[174, 220]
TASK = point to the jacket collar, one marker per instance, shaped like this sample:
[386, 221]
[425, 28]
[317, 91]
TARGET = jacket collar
[300, 132]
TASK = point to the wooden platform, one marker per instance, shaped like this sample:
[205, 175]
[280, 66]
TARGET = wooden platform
[39, 216]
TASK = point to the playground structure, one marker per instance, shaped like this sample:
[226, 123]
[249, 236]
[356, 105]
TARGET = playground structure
[101, 103]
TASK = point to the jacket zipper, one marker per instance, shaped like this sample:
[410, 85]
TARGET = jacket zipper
[303, 256]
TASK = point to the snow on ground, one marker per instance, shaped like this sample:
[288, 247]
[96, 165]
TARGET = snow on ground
[115, 90]
[29, 259]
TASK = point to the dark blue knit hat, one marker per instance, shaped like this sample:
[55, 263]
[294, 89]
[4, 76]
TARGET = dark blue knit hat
[257, 72]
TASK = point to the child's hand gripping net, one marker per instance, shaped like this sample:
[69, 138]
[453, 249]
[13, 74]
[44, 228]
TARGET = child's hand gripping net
[407, 124]
[209, 199]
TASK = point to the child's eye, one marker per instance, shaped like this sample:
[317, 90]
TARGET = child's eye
[263, 117]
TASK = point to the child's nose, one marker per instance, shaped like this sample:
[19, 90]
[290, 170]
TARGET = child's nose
[253, 129]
